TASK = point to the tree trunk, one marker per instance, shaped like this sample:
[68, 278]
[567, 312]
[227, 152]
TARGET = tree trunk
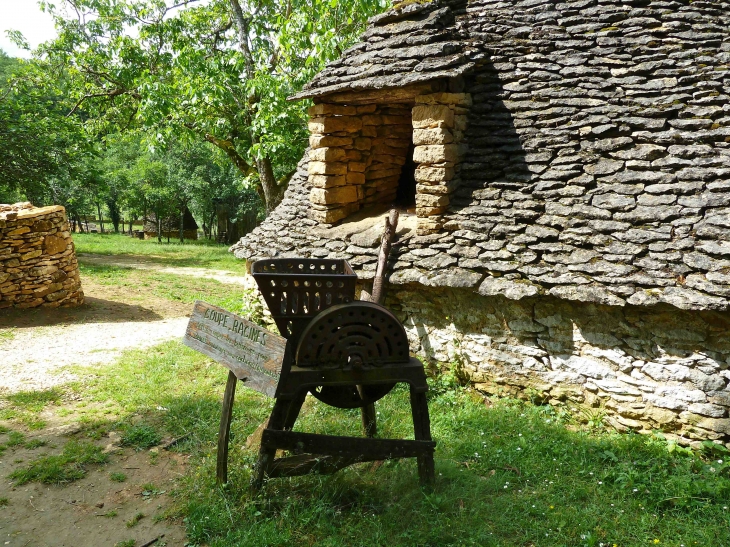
[273, 192]
[159, 227]
[212, 223]
[101, 220]
[182, 224]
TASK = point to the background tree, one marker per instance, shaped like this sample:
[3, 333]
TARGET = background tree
[39, 142]
[220, 71]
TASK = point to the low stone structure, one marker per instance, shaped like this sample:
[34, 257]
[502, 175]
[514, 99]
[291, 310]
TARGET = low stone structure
[38, 264]
[170, 226]
[572, 162]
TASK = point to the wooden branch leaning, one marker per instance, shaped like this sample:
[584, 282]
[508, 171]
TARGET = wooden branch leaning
[368, 414]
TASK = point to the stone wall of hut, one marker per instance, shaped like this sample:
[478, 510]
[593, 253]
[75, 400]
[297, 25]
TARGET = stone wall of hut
[38, 264]
[644, 369]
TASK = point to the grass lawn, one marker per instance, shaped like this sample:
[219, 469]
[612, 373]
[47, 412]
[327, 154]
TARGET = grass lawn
[171, 287]
[508, 473]
[200, 254]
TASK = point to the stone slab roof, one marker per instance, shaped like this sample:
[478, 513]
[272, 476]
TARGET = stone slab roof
[410, 45]
[598, 166]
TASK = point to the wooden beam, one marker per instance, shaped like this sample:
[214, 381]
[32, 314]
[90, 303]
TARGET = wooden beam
[346, 447]
[406, 94]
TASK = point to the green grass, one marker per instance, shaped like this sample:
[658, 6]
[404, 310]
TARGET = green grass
[198, 254]
[117, 477]
[68, 466]
[4, 502]
[508, 474]
[6, 335]
[126, 543]
[175, 288]
[34, 401]
[25, 406]
[140, 436]
[135, 520]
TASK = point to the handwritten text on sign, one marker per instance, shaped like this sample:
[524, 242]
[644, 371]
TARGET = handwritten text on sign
[252, 353]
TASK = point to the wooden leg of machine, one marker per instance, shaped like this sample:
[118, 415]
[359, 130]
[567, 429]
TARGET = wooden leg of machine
[224, 432]
[422, 432]
[295, 407]
[268, 451]
[369, 420]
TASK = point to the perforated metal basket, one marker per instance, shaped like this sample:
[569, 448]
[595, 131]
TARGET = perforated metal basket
[297, 289]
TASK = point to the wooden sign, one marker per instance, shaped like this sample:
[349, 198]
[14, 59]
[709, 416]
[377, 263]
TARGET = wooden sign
[252, 353]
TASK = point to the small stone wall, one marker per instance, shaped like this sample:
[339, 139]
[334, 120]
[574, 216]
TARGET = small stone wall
[356, 157]
[648, 368]
[38, 264]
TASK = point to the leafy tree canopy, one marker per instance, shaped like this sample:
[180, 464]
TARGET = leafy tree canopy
[38, 140]
[219, 70]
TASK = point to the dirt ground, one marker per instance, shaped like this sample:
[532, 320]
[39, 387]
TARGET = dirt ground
[93, 511]
[112, 320]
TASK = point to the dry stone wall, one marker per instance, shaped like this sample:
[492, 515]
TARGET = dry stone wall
[648, 369]
[38, 264]
[439, 122]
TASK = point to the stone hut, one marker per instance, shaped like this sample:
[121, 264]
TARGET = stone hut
[571, 162]
[171, 226]
[38, 264]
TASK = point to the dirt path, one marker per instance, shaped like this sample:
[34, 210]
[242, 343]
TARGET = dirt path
[94, 511]
[37, 345]
[144, 263]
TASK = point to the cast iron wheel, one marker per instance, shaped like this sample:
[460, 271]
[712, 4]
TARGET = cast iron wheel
[351, 336]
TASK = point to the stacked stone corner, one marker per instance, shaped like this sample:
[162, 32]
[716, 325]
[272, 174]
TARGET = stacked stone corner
[38, 266]
[439, 123]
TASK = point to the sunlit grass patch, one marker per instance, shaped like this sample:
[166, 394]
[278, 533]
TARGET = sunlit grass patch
[25, 407]
[68, 466]
[35, 401]
[199, 254]
[140, 436]
[171, 287]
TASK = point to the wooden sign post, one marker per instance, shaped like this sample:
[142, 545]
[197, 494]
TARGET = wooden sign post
[252, 354]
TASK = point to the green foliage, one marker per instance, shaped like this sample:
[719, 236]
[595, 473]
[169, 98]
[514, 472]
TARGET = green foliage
[140, 436]
[68, 466]
[181, 76]
[38, 141]
[117, 477]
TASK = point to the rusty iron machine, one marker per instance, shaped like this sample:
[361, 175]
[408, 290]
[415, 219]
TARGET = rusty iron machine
[347, 354]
